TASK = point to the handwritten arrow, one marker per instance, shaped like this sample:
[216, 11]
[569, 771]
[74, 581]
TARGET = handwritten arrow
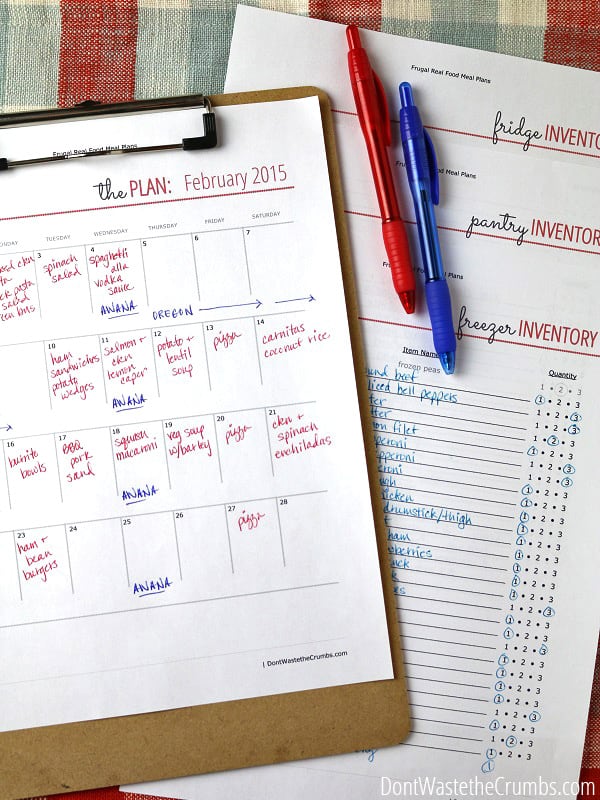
[255, 303]
[6, 428]
[310, 298]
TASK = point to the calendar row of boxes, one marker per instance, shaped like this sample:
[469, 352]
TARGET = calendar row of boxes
[192, 554]
[120, 278]
[136, 368]
[134, 464]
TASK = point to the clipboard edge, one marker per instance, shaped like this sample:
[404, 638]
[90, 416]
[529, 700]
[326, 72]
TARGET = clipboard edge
[311, 723]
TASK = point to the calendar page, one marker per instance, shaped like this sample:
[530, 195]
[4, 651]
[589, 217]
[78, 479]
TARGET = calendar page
[488, 477]
[185, 508]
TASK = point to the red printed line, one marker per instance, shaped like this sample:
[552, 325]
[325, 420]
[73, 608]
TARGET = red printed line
[485, 338]
[363, 214]
[97, 51]
[378, 217]
[488, 137]
[526, 241]
[396, 324]
[514, 141]
[489, 235]
[149, 203]
[535, 346]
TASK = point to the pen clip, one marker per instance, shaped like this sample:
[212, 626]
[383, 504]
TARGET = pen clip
[433, 168]
[383, 109]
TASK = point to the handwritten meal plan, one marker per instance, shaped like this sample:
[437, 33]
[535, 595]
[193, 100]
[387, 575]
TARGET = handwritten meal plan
[185, 513]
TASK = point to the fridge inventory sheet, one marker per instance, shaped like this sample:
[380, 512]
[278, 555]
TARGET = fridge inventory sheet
[488, 477]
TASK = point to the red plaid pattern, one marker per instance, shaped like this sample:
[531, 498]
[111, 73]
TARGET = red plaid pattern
[98, 59]
[97, 51]
[572, 34]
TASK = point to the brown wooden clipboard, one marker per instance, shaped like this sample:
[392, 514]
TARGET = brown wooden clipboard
[234, 734]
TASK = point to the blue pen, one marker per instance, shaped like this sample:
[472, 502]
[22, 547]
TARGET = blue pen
[421, 169]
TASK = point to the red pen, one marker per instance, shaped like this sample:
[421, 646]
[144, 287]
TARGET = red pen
[372, 109]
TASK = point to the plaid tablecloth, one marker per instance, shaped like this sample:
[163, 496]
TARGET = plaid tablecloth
[59, 53]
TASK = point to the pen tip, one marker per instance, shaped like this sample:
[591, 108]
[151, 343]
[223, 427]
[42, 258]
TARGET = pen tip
[406, 96]
[408, 301]
[447, 360]
[353, 37]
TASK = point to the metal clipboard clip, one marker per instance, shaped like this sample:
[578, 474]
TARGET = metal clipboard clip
[91, 108]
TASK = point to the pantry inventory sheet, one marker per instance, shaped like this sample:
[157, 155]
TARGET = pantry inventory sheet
[488, 477]
[184, 503]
